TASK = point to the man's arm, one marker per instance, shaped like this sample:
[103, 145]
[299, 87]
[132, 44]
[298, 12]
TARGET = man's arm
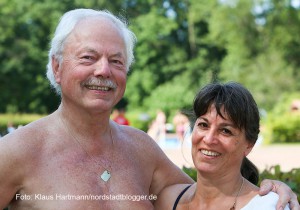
[8, 172]
[166, 173]
[286, 195]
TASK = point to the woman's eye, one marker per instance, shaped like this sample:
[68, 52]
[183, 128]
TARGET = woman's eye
[226, 131]
[202, 125]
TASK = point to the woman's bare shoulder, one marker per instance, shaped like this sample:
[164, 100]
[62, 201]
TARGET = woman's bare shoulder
[167, 198]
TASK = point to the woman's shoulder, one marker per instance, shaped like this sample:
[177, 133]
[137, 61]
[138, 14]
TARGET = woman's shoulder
[266, 202]
[168, 197]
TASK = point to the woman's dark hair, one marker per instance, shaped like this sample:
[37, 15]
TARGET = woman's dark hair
[239, 105]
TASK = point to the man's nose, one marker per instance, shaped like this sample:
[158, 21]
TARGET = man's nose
[102, 68]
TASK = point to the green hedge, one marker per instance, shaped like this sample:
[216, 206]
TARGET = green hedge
[281, 124]
[136, 120]
[286, 128]
[291, 178]
[16, 119]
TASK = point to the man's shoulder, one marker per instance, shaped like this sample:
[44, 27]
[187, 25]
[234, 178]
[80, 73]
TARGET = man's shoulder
[19, 151]
[138, 143]
[133, 135]
[26, 140]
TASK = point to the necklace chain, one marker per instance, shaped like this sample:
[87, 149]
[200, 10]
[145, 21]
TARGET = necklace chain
[106, 174]
[235, 200]
[237, 195]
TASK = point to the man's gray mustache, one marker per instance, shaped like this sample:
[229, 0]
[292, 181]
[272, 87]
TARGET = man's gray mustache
[100, 82]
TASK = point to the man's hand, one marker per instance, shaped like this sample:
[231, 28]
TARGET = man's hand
[286, 195]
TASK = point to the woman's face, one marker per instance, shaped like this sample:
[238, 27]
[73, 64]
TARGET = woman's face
[218, 146]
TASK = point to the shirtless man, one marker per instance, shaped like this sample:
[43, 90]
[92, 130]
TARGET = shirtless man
[77, 158]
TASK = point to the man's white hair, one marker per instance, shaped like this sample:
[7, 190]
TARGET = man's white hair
[66, 26]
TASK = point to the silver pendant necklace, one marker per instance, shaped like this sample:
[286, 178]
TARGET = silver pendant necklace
[106, 174]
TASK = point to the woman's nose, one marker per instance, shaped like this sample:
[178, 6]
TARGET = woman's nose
[210, 137]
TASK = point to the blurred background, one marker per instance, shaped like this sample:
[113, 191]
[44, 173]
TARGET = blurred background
[182, 45]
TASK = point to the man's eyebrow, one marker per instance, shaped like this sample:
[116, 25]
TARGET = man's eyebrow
[88, 49]
[92, 50]
[118, 54]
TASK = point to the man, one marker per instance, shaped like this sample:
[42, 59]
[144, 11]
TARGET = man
[77, 158]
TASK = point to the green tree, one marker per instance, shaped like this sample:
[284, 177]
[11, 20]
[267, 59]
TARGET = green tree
[26, 29]
[172, 58]
[24, 41]
[259, 38]
[182, 45]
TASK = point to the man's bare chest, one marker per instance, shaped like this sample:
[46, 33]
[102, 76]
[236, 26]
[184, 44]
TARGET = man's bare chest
[75, 181]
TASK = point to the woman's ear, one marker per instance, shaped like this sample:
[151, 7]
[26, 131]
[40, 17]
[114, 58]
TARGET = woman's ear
[248, 149]
[56, 69]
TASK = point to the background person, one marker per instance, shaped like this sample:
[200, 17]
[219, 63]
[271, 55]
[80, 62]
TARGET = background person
[182, 125]
[157, 128]
[10, 127]
[120, 117]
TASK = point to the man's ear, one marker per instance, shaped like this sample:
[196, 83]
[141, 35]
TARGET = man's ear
[56, 69]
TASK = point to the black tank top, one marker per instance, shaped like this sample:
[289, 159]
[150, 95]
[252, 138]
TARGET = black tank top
[179, 196]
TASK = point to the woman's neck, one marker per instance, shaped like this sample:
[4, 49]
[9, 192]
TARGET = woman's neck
[211, 192]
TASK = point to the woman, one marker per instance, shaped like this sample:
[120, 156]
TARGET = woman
[225, 131]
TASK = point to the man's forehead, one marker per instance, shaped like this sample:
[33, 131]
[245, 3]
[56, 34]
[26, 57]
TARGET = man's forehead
[97, 20]
[97, 24]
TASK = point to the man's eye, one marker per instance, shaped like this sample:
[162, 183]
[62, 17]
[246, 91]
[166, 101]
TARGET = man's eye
[117, 62]
[87, 57]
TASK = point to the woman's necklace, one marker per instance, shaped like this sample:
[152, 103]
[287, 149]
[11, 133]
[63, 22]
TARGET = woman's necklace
[235, 200]
[106, 174]
[237, 195]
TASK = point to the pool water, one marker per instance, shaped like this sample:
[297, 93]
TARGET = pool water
[170, 143]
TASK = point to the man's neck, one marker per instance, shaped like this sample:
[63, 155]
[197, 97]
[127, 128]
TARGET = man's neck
[91, 127]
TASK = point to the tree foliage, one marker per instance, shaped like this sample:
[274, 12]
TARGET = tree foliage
[182, 45]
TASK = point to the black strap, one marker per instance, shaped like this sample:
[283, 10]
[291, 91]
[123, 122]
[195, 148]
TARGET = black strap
[179, 196]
